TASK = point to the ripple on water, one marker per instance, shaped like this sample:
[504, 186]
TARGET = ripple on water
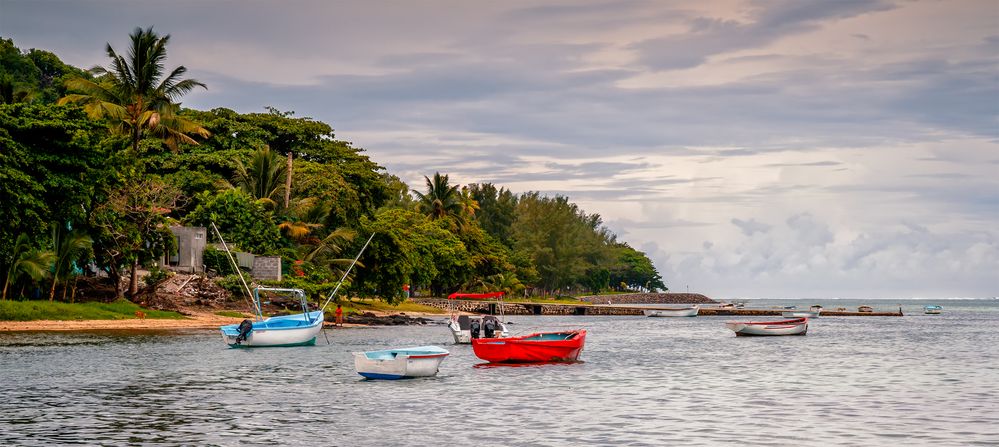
[851, 381]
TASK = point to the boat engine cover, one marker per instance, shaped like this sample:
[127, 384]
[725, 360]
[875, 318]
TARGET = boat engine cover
[245, 328]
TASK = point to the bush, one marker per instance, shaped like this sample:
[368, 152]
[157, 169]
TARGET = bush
[156, 275]
[217, 261]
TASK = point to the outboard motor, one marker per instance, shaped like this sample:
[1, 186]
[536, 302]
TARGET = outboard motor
[474, 328]
[244, 330]
[489, 327]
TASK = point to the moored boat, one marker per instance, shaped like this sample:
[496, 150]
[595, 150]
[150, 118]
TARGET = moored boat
[801, 313]
[464, 327]
[401, 363]
[672, 312]
[562, 346]
[865, 309]
[299, 329]
[798, 326]
[932, 309]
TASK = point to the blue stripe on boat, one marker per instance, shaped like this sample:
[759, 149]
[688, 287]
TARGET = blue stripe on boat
[381, 376]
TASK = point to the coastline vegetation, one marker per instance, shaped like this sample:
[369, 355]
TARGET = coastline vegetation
[44, 310]
[96, 166]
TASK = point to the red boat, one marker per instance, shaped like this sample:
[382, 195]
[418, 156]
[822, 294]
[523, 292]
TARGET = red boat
[539, 347]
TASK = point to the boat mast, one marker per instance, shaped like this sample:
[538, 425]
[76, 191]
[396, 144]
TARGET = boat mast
[256, 307]
[347, 272]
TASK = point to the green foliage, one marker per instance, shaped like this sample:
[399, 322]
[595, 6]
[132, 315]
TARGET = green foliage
[51, 165]
[156, 276]
[263, 179]
[243, 222]
[442, 200]
[135, 96]
[232, 284]
[44, 310]
[635, 270]
[408, 248]
[218, 261]
[497, 210]
[35, 76]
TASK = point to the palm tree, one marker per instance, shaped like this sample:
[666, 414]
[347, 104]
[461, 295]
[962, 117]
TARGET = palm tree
[264, 177]
[67, 248]
[28, 261]
[441, 199]
[134, 95]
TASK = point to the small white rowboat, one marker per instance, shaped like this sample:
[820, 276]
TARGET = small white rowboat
[801, 314]
[672, 312]
[786, 327]
[402, 363]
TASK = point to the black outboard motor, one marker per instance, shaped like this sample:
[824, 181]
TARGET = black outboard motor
[474, 328]
[244, 330]
[489, 326]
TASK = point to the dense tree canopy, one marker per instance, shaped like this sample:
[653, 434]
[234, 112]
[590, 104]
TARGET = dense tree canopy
[274, 183]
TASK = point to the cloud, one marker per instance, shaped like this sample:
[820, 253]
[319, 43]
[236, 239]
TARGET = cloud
[750, 226]
[765, 147]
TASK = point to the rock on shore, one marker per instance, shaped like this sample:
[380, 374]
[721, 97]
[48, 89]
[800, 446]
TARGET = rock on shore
[370, 319]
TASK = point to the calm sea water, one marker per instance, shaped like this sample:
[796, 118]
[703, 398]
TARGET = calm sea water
[915, 380]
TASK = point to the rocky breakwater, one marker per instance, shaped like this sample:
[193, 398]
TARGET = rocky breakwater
[370, 319]
[649, 298]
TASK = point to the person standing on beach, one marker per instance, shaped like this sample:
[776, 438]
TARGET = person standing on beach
[339, 316]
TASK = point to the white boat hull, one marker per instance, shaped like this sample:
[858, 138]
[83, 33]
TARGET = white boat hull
[464, 336]
[680, 312]
[398, 365]
[743, 329]
[288, 330]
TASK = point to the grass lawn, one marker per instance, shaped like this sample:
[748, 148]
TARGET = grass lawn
[44, 310]
[373, 305]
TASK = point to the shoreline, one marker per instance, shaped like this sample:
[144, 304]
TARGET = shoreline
[197, 320]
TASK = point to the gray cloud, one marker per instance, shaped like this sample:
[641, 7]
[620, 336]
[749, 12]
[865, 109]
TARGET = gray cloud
[529, 94]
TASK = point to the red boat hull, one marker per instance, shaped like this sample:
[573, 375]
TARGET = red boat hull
[539, 347]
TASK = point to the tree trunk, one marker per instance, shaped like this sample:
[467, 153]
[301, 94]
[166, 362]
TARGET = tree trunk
[116, 279]
[133, 285]
[55, 278]
[6, 282]
[287, 183]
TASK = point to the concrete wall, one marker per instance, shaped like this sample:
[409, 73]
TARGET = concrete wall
[267, 267]
[190, 249]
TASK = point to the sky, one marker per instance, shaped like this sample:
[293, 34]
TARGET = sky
[752, 149]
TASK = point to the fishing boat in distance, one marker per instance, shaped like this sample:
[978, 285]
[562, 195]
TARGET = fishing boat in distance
[932, 309]
[299, 329]
[798, 326]
[464, 328]
[401, 363]
[812, 312]
[538, 347]
[865, 309]
[672, 311]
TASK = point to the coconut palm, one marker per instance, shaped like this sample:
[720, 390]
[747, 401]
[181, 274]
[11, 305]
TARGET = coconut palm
[441, 200]
[264, 177]
[134, 95]
[68, 246]
[26, 260]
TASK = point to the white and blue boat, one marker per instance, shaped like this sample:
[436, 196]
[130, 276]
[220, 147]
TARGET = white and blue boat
[932, 309]
[401, 363]
[285, 330]
[299, 329]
